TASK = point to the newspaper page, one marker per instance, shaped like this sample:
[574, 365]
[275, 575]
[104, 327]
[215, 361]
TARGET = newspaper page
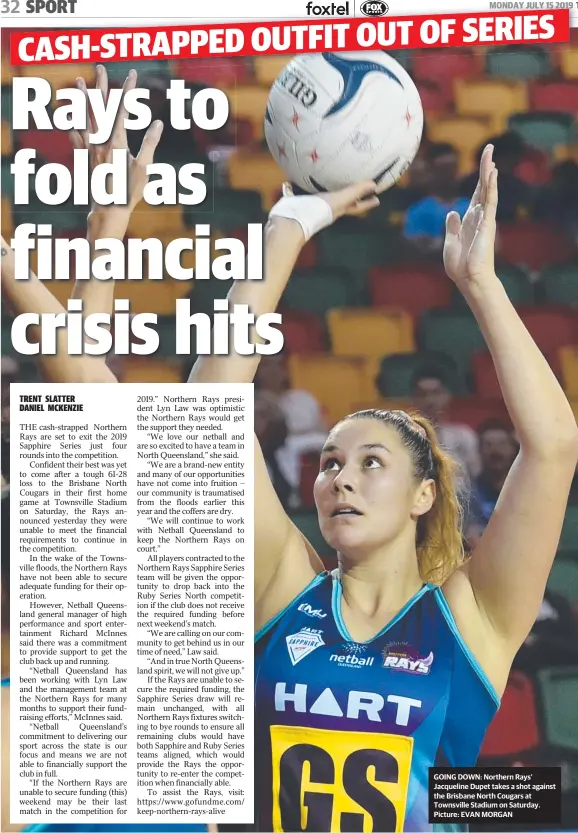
[289, 416]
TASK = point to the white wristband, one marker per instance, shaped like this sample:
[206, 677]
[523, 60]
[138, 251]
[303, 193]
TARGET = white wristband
[311, 212]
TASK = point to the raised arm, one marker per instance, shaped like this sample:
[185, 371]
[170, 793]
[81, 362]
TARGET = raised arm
[510, 565]
[33, 296]
[284, 562]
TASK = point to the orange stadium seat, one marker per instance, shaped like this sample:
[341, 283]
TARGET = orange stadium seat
[492, 98]
[532, 245]
[268, 67]
[564, 153]
[147, 369]
[370, 372]
[303, 332]
[384, 404]
[550, 327]
[414, 290]
[6, 218]
[154, 220]
[370, 332]
[515, 726]
[464, 133]
[7, 68]
[225, 71]
[249, 102]
[257, 171]
[473, 410]
[569, 62]
[555, 95]
[568, 357]
[335, 381]
[158, 296]
[6, 140]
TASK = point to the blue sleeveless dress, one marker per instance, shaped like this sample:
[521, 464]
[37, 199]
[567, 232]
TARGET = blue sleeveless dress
[111, 828]
[346, 731]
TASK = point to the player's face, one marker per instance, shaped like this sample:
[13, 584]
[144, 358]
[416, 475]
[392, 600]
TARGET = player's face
[366, 491]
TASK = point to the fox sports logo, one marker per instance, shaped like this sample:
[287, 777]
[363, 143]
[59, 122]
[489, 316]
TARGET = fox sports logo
[374, 8]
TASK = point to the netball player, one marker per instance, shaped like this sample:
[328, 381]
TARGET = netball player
[396, 661]
[97, 296]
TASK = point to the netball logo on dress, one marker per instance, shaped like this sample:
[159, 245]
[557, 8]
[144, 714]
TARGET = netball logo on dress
[351, 656]
[405, 658]
[303, 643]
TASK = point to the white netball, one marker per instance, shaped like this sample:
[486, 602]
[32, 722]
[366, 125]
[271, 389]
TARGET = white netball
[335, 118]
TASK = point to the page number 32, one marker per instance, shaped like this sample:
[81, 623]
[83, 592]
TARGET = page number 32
[10, 6]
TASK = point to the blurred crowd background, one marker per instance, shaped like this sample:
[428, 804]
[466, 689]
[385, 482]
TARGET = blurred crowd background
[370, 319]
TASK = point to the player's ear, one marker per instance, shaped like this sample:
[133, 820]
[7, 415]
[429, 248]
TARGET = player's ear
[424, 498]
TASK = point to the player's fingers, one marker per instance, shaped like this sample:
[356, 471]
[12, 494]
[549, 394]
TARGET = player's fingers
[119, 138]
[353, 193]
[491, 204]
[453, 224]
[102, 81]
[477, 219]
[486, 166]
[478, 194]
[90, 127]
[363, 205]
[149, 143]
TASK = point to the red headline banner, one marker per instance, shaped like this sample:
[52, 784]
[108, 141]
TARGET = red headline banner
[288, 37]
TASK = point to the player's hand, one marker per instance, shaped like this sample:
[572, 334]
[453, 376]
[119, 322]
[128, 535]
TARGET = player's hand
[314, 212]
[469, 243]
[353, 200]
[137, 174]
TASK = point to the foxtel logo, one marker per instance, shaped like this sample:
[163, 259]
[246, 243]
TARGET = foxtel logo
[333, 10]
